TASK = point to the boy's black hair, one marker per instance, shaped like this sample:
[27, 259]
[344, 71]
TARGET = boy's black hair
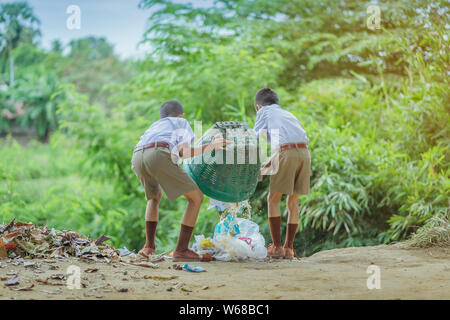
[171, 108]
[266, 97]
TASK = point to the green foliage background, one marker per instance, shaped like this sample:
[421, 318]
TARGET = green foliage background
[374, 103]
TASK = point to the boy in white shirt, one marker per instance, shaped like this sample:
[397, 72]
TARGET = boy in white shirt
[294, 167]
[154, 162]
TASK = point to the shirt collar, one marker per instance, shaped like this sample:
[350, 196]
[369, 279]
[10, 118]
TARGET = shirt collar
[269, 106]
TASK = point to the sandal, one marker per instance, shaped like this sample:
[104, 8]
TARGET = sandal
[151, 251]
[190, 255]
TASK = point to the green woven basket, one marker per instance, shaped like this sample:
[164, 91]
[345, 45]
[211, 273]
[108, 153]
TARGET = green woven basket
[231, 175]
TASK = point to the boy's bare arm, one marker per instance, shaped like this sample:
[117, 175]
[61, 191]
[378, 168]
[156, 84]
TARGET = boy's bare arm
[186, 151]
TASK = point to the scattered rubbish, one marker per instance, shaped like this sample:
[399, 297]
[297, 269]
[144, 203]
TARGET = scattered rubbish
[28, 240]
[179, 285]
[191, 268]
[43, 281]
[186, 289]
[13, 281]
[54, 277]
[4, 228]
[235, 239]
[91, 270]
[158, 258]
[229, 225]
[100, 287]
[3, 253]
[101, 239]
[205, 288]
[123, 252]
[177, 267]
[48, 292]
[122, 290]
[27, 264]
[146, 264]
[23, 288]
[11, 246]
[169, 288]
[206, 244]
[161, 277]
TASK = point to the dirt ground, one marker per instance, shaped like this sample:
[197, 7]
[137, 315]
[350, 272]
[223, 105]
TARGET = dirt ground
[332, 274]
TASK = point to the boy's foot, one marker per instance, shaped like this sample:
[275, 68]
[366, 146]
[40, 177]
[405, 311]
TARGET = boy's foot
[145, 251]
[275, 252]
[289, 253]
[189, 255]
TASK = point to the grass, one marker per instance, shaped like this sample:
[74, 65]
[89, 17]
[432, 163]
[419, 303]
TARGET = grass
[435, 233]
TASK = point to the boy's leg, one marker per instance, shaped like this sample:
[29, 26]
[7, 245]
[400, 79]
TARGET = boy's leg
[151, 222]
[292, 225]
[182, 252]
[273, 204]
[195, 199]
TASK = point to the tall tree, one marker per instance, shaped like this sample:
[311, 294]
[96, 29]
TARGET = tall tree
[18, 24]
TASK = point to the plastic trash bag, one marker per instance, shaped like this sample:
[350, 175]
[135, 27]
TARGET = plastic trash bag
[235, 239]
[203, 249]
[229, 225]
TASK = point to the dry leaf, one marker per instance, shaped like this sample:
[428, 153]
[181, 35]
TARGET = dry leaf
[101, 239]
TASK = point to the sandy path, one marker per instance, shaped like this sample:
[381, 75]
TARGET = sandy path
[331, 274]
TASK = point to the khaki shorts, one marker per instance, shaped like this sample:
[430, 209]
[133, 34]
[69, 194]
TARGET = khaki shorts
[294, 172]
[154, 167]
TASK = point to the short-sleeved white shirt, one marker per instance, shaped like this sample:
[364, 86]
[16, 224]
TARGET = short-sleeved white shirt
[273, 117]
[172, 130]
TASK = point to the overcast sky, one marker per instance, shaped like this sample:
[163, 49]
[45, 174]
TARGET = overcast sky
[120, 21]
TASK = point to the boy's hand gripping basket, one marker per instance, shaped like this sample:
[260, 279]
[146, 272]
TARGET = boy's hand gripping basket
[229, 175]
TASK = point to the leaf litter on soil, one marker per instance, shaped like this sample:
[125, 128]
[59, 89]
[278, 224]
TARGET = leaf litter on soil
[24, 241]
[28, 240]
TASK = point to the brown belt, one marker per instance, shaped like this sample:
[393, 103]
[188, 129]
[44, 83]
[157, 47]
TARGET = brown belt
[153, 145]
[293, 146]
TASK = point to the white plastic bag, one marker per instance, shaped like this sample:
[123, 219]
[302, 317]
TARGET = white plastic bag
[229, 225]
[240, 239]
[235, 248]
[197, 245]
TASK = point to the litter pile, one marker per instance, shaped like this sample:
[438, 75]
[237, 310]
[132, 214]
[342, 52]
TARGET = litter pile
[20, 240]
[235, 239]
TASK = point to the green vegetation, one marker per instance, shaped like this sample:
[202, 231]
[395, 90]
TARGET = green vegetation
[374, 103]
